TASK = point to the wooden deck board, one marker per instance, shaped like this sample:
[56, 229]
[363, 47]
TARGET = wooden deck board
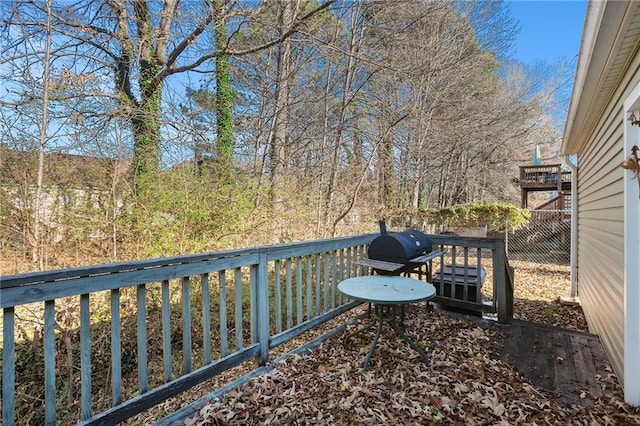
[585, 365]
[563, 362]
[564, 368]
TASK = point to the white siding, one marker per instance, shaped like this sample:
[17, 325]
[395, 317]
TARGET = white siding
[601, 224]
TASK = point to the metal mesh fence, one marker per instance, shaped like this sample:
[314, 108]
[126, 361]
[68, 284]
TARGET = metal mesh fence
[547, 239]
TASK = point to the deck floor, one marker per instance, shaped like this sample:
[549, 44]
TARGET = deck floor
[558, 360]
[566, 365]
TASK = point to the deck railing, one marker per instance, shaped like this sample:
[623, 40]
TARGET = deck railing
[551, 176]
[470, 258]
[160, 327]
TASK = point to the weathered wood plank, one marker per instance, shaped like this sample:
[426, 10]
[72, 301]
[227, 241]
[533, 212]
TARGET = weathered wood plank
[85, 356]
[564, 367]
[472, 242]
[49, 363]
[262, 301]
[224, 342]
[278, 294]
[291, 333]
[299, 290]
[116, 346]
[326, 284]
[318, 290]
[238, 306]
[539, 361]
[173, 388]
[141, 333]
[564, 362]
[198, 263]
[334, 279]
[469, 307]
[309, 267]
[8, 367]
[585, 366]
[191, 261]
[502, 296]
[289, 285]
[166, 331]
[58, 289]
[206, 312]
[531, 357]
[186, 326]
[510, 344]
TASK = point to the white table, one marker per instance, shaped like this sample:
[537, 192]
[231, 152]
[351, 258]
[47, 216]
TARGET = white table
[386, 292]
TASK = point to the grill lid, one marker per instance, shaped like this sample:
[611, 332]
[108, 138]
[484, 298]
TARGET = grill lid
[399, 247]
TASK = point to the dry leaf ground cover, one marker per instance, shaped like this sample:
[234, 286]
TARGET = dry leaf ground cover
[466, 381]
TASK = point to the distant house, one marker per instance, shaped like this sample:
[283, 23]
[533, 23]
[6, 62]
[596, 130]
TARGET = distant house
[598, 130]
[71, 186]
[60, 170]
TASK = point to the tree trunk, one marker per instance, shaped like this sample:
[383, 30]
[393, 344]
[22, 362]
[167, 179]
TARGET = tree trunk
[146, 117]
[347, 97]
[224, 97]
[279, 125]
[385, 168]
[37, 247]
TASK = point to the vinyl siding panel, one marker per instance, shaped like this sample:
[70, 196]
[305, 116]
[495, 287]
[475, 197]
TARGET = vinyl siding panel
[601, 224]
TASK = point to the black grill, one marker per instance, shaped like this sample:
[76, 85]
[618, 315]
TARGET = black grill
[407, 250]
[399, 247]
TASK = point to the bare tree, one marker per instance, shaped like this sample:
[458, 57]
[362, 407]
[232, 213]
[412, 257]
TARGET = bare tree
[42, 137]
[37, 84]
[138, 45]
[279, 124]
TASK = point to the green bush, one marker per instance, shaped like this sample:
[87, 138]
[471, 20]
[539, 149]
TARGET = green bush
[495, 216]
[189, 213]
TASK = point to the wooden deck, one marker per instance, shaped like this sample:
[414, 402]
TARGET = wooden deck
[548, 177]
[559, 360]
[543, 178]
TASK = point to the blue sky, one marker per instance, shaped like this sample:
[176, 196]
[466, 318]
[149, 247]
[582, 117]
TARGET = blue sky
[550, 29]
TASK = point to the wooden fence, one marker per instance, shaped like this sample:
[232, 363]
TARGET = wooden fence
[244, 302]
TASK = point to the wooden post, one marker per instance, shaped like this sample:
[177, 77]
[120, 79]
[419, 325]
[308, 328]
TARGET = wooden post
[510, 275]
[49, 363]
[8, 367]
[85, 357]
[524, 195]
[262, 311]
[503, 292]
[186, 325]
[506, 235]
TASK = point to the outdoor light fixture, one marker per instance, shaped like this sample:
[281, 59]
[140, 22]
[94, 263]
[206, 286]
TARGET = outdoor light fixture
[632, 162]
[635, 121]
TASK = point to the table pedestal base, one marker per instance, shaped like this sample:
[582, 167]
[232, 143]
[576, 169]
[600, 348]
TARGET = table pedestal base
[385, 314]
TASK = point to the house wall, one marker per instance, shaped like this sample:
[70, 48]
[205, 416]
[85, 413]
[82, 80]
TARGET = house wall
[601, 223]
[62, 210]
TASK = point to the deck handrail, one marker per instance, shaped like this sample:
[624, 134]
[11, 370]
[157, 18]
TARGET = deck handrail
[284, 290]
[544, 174]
